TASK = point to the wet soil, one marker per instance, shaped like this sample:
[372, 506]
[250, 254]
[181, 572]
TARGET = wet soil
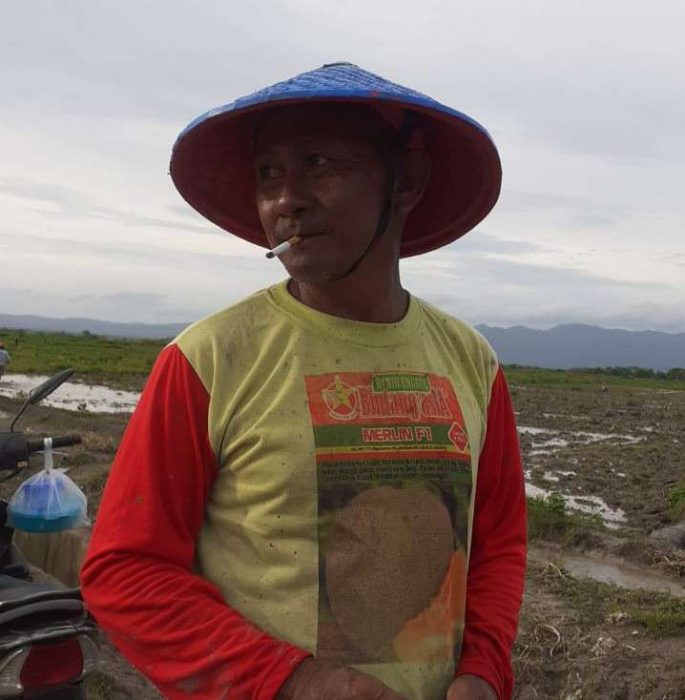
[625, 446]
[622, 447]
[606, 567]
[566, 651]
[117, 680]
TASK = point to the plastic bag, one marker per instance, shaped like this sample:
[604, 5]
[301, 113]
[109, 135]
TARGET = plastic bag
[48, 501]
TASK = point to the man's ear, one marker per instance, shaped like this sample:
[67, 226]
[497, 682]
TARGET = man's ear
[412, 173]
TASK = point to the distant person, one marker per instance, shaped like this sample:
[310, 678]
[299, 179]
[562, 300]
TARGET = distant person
[4, 358]
[320, 495]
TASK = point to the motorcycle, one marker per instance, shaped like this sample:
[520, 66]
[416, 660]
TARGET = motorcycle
[48, 642]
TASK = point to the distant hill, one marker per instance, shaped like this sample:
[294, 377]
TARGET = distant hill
[562, 347]
[578, 345]
[79, 325]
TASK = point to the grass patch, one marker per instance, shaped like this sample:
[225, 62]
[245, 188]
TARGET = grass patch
[661, 614]
[665, 619]
[549, 519]
[584, 378]
[93, 487]
[121, 361]
[100, 687]
[126, 363]
[676, 502]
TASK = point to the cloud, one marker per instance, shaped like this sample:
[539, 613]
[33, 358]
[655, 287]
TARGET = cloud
[550, 277]
[143, 254]
[479, 242]
[503, 271]
[588, 220]
[515, 200]
[501, 290]
[584, 103]
[74, 204]
[604, 79]
[579, 211]
[131, 307]
[149, 306]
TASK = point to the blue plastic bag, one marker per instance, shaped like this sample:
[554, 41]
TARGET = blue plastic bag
[48, 501]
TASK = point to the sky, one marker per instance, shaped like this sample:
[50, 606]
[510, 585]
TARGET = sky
[584, 101]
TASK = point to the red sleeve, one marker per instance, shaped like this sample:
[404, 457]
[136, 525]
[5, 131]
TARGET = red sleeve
[137, 578]
[498, 550]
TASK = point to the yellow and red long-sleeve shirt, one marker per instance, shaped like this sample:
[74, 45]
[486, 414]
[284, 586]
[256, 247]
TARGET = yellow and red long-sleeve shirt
[293, 483]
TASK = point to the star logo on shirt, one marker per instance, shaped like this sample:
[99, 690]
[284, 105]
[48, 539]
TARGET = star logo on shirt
[341, 399]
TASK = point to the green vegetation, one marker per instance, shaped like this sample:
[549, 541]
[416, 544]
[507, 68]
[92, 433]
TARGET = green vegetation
[99, 686]
[120, 361]
[127, 362]
[676, 373]
[549, 519]
[578, 378]
[662, 614]
[676, 502]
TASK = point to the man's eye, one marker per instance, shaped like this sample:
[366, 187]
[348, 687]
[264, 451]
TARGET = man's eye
[267, 172]
[316, 159]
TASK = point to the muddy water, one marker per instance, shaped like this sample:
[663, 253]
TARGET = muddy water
[609, 453]
[608, 569]
[71, 395]
[553, 444]
[588, 504]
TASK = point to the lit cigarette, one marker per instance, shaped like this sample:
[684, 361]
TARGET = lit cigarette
[282, 247]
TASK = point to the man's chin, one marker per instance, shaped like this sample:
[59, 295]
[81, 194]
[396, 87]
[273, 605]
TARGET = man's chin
[313, 273]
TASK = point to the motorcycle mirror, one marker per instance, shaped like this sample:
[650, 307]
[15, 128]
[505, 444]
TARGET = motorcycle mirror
[48, 386]
[39, 392]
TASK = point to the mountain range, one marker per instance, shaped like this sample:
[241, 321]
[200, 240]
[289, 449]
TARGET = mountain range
[576, 345]
[566, 346]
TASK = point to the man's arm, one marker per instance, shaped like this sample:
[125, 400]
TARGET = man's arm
[137, 579]
[498, 550]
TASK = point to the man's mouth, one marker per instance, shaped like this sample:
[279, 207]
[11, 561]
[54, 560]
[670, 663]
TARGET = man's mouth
[287, 230]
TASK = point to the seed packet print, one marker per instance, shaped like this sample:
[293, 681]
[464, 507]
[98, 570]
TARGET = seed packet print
[394, 486]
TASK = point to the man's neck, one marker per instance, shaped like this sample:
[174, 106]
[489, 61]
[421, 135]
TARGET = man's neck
[380, 302]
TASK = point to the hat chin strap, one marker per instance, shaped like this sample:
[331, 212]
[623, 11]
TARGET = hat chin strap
[381, 227]
[406, 131]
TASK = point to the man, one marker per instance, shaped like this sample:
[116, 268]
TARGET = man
[320, 494]
[4, 358]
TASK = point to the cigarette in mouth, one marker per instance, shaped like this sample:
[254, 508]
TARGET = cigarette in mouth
[282, 247]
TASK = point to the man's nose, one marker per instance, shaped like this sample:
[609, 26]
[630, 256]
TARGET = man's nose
[293, 197]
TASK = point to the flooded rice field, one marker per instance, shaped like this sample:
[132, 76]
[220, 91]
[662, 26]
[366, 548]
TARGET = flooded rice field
[614, 452]
[601, 451]
[72, 396]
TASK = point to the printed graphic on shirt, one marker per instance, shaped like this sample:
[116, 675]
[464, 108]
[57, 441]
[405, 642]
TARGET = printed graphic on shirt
[394, 486]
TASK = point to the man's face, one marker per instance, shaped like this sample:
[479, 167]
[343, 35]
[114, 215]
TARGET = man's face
[320, 175]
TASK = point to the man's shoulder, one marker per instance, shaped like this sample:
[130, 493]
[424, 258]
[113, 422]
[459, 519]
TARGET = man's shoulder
[220, 325]
[460, 331]
[473, 354]
[227, 337]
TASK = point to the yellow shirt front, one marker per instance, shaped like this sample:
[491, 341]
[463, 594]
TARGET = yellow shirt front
[340, 517]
